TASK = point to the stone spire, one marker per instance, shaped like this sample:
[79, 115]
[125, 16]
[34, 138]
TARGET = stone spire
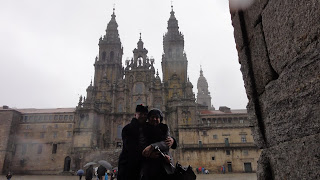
[140, 43]
[173, 22]
[112, 34]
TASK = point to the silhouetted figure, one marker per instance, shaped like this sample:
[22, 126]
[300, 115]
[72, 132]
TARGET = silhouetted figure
[9, 175]
[89, 173]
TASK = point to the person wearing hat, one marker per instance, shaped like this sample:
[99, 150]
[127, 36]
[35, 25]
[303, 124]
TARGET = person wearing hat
[129, 164]
[157, 135]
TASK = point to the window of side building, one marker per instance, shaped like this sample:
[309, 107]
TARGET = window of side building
[241, 120]
[54, 148]
[215, 136]
[24, 149]
[204, 133]
[39, 149]
[228, 152]
[243, 138]
[42, 135]
[69, 134]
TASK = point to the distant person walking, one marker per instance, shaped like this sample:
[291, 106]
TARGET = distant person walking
[80, 173]
[9, 175]
[89, 173]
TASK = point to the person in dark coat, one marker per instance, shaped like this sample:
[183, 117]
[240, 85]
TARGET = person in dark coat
[9, 175]
[156, 167]
[89, 173]
[129, 164]
[134, 142]
[101, 172]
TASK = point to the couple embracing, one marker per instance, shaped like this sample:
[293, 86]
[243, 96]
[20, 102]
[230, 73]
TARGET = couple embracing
[140, 159]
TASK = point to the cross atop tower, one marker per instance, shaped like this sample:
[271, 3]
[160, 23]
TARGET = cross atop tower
[171, 5]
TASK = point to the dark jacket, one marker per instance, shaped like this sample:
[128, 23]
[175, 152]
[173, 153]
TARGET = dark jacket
[8, 176]
[101, 171]
[89, 173]
[130, 159]
[157, 168]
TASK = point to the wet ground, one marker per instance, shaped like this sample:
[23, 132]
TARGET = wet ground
[244, 176]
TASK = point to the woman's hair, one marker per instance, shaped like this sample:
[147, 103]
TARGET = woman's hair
[155, 111]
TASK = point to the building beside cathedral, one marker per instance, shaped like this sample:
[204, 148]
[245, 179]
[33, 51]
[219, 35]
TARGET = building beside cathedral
[55, 141]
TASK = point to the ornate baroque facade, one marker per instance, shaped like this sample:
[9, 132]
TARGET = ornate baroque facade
[52, 141]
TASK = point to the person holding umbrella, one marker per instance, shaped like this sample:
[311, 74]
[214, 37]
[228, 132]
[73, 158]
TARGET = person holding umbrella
[89, 173]
[80, 173]
[101, 172]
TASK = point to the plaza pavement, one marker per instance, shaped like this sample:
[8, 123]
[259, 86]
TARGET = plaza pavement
[233, 176]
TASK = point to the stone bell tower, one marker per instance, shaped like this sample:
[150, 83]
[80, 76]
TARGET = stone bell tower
[108, 65]
[179, 98]
[174, 61]
[90, 123]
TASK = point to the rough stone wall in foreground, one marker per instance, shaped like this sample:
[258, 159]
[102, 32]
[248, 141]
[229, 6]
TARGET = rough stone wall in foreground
[279, 52]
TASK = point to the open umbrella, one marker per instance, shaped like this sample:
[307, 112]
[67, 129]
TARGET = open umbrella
[80, 172]
[105, 164]
[89, 163]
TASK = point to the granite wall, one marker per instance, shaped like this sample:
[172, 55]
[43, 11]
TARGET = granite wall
[279, 52]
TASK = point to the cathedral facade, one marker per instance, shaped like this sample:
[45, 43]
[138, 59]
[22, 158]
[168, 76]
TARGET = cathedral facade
[67, 138]
[111, 99]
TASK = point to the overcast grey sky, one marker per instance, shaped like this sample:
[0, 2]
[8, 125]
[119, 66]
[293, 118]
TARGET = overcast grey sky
[47, 48]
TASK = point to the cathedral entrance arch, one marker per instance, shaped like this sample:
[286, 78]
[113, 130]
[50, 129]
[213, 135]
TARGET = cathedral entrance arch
[67, 162]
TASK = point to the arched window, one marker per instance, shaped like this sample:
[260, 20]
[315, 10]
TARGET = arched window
[111, 56]
[104, 56]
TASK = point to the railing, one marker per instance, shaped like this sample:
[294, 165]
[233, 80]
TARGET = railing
[218, 145]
